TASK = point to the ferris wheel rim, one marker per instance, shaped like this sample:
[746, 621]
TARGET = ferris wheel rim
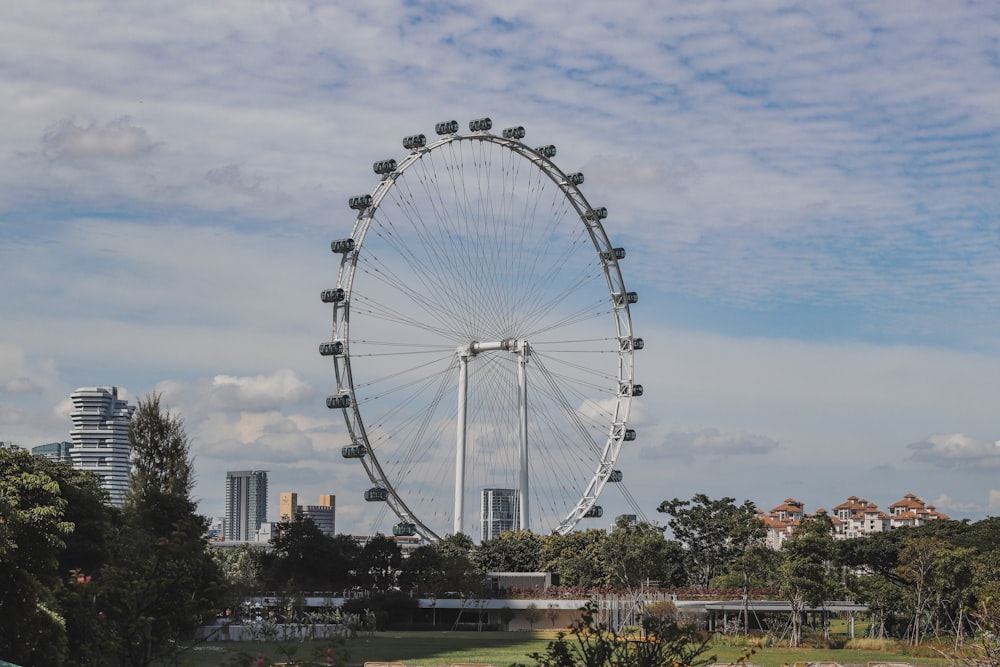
[589, 217]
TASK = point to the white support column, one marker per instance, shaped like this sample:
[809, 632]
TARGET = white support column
[463, 378]
[522, 384]
[464, 352]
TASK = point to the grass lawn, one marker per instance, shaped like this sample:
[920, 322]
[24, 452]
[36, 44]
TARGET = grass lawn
[434, 648]
[428, 648]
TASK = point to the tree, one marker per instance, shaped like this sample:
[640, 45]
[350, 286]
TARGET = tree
[33, 533]
[714, 533]
[806, 572]
[302, 557]
[575, 556]
[379, 563]
[636, 552]
[917, 563]
[160, 462]
[160, 582]
[513, 551]
[446, 566]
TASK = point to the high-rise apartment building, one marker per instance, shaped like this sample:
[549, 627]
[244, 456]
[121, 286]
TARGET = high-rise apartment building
[322, 514]
[500, 512]
[99, 438]
[246, 503]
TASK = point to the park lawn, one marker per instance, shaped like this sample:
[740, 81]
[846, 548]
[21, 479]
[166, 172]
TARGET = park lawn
[424, 648]
[435, 648]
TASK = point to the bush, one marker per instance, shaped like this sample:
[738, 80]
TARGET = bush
[589, 644]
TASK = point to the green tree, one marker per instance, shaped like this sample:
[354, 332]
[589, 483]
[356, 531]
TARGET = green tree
[714, 533]
[917, 567]
[160, 582]
[884, 599]
[513, 551]
[636, 552]
[302, 557]
[576, 557]
[953, 589]
[379, 563]
[33, 533]
[160, 459]
[82, 562]
[807, 575]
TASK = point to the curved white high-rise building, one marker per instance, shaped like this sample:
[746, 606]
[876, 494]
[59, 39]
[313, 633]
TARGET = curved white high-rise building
[100, 438]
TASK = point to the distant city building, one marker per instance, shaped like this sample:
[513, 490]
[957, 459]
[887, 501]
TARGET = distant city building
[215, 528]
[499, 512]
[288, 505]
[246, 504]
[56, 451]
[322, 514]
[99, 437]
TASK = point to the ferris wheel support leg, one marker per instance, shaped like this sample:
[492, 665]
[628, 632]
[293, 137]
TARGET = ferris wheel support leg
[522, 382]
[463, 378]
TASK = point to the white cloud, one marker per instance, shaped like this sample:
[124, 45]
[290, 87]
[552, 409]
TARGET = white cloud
[956, 449]
[260, 392]
[117, 140]
[946, 503]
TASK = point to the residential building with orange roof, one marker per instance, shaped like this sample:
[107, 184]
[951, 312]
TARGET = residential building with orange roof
[911, 512]
[856, 517]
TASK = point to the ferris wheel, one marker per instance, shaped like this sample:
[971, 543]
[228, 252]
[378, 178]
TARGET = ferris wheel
[482, 341]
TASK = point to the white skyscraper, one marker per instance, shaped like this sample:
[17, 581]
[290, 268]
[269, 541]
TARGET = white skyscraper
[246, 503]
[499, 512]
[100, 437]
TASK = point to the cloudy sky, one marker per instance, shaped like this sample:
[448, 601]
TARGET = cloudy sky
[809, 194]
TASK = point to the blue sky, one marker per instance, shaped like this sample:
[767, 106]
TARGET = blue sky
[808, 193]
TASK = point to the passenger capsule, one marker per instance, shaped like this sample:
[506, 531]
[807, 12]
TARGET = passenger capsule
[360, 202]
[546, 151]
[513, 133]
[447, 127]
[414, 141]
[342, 245]
[632, 297]
[404, 529]
[384, 167]
[338, 401]
[631, 389]
[332, 295]
[633, 343]
[331, 348]
[575, 178]
[628, 435]
[597, 213]
[480, 125]
[353, 452]
[614, 253]
[377, 494]
[595, 512]
[615, 476]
